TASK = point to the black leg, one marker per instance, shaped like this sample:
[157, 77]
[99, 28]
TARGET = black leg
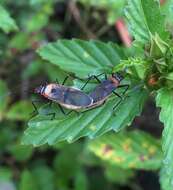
[126, 86]
[52, 114]
[62, 110]
[118, 103]
[35, 112]
[90, 78]
[93, 77]
[65, 80]
[96, 77]
[50, 103]
[106, 77]
[56, 80]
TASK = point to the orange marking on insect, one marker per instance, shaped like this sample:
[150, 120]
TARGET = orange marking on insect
[115, 81]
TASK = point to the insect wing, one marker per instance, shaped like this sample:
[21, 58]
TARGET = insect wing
[77, 98]
[67, 95]
[102, 91]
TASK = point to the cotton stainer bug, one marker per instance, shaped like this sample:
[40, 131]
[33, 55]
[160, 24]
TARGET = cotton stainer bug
[106, 87]
[67, 97]
[76, 100]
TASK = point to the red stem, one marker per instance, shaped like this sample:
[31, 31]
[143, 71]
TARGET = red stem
[123, 32]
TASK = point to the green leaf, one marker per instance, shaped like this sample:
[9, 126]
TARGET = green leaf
[21, 152]
[169, 76]
[91, 123]
[35, 2]
[3, 98]
[83, 57]
[41, 18]
[114, 8]
[81, 181]
[118, 175]
[134, 149]
[20, 41]
[167, 11]
[27, 181]
[20, 111]
[164, 100]
[145, 18]
[5, 174]
[133, 66]
[67, 169]
[44, 177]
[7, 24]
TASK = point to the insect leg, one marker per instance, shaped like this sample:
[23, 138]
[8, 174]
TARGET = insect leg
[126, 86]
[65, 80]
[96, 77]
[118, 103]
[62, 110]
[52, 114]
[35, 112]
[92, 77]
[56, 80]
[106, 77]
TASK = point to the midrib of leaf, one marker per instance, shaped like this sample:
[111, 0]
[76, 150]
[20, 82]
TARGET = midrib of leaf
[164, 100]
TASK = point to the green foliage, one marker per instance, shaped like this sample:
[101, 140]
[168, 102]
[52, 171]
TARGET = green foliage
[165, 101]
[3, 98]
[7, 24]
[148, 70]
[114, 8]
[145, 18]
[92, 123]
[40, 20]
[27, 181]
[167, 11]
[44, 177]
[20, 111]
[118, 174]
[21, 152]
[81, 57]
[128, 150]
[5, 174]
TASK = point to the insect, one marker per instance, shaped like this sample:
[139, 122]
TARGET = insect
[77, 100]
[106, 87]
[67, 97]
